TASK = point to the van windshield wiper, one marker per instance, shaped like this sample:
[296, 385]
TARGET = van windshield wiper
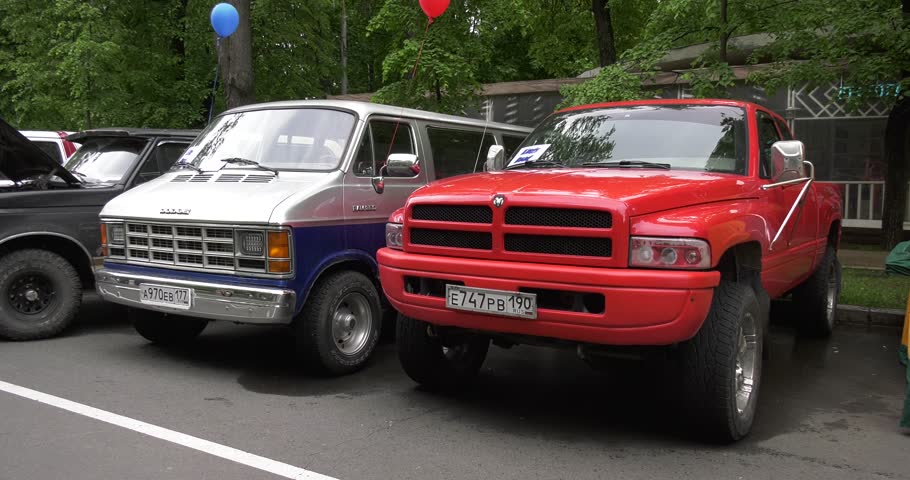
[181, 166]
[244, 161]
[628, 164]
[537, 164]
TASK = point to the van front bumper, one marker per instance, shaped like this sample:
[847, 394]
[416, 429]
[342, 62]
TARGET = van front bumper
[214, 301]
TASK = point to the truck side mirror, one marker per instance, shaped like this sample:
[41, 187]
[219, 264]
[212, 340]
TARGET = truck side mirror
[787, 161]
[496, 158]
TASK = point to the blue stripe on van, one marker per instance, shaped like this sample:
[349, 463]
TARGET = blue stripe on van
[315, 249]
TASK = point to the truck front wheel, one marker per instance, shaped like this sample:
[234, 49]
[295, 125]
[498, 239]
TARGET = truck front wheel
[722, 365]
[40, 293]
[340, 324]
[165, 328]
[438, 362]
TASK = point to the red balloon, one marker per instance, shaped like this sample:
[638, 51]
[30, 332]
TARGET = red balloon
[434, 8]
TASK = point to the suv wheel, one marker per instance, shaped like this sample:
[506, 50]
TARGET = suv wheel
[722, 365]
[40, 293]
[436, 362]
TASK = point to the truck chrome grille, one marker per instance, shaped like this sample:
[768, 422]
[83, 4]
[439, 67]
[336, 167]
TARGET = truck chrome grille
[187, 246]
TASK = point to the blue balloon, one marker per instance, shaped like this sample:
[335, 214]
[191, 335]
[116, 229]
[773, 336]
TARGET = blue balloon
[225, 19]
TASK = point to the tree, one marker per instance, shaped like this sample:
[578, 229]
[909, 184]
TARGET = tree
[603, 23]
[235, 54]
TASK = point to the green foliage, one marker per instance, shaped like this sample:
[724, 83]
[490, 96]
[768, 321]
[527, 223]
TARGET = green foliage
[613, 83]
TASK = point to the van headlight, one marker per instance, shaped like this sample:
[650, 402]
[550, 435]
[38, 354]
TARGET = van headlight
[394, 235]
[116, 233]
[658, 252]
[251, 243]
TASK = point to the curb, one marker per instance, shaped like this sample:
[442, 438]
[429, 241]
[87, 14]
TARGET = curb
[870, 317]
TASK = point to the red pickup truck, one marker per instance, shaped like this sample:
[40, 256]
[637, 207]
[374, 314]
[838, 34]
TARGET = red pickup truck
[660, 224]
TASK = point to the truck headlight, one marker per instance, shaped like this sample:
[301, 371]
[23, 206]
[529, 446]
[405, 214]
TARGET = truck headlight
[658, 252]
[251, 243]
[394, 235]
[116, 233]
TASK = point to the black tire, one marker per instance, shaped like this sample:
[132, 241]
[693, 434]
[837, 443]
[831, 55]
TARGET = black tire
[816, 298]
[710, 366]
[165, 328]
[55, 286]
[424, 359]
[326, 345]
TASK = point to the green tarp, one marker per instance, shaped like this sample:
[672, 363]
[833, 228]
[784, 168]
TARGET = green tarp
[898, 260]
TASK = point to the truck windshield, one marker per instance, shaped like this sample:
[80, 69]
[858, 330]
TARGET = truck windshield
[105, 159]
[285, 139]
[687, 137]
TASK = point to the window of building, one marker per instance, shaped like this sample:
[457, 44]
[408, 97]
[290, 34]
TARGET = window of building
[455, 152]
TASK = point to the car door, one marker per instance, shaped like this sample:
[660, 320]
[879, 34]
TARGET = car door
[793, 256]
[366, 211]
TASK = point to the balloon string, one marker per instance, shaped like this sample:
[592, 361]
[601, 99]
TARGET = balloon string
[215, 83]
[411, 81]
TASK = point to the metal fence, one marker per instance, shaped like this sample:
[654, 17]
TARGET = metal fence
[863, 203]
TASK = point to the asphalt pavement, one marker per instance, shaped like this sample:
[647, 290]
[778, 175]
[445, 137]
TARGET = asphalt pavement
[828, 410]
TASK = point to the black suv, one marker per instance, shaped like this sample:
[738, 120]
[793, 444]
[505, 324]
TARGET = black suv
[49, 228]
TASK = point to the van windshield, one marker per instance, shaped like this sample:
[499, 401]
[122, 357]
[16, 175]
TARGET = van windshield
[285, 139]
[687, 137]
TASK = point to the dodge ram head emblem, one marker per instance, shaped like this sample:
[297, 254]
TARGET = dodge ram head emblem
[498, 200]
[175, 211]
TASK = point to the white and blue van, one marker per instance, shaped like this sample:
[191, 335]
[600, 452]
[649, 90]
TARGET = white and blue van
[273, 215]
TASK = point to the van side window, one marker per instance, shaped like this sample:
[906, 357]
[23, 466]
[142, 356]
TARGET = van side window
[767, 135]
[375, 146]
[161, 160]
[511, 143]
[455, 151]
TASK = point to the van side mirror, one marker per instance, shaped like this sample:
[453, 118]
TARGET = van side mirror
[402, 165]
[787, 161]
[496, 158]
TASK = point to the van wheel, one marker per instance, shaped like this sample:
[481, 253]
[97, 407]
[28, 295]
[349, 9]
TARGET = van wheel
[722, 365]
[816, 298]
[165, 328]
[340, 324]
[41, 293]
[435, 362]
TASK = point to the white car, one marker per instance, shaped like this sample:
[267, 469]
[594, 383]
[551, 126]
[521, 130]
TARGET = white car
[54, 144]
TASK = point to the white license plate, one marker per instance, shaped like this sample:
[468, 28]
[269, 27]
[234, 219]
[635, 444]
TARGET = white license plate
[169, 296]
[497, 302]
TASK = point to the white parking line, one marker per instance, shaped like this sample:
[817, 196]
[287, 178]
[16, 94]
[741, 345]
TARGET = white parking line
[212, 448]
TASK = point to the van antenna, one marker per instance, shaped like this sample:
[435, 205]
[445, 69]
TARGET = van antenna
[488, 109]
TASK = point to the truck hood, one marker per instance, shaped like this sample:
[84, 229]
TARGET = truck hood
[21, 159]
[641, 191]
[223, 197]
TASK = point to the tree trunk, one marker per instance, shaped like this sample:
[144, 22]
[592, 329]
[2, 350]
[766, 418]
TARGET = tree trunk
[724, 34]
[344, 48]
[897, 150]
[603, 25]
[236, 56]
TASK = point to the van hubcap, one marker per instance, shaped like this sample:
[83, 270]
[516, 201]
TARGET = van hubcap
[352, 323]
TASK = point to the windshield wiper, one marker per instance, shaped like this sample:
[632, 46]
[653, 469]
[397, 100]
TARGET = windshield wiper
[628, 164]
[537, 164]
[244, 161]
[182, 166]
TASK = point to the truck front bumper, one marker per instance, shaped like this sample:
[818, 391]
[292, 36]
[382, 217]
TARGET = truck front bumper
[641, 307]
[214, 301]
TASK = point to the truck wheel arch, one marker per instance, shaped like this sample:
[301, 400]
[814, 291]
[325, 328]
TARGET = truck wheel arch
[64, 245]
[742, 263]
[356, 261]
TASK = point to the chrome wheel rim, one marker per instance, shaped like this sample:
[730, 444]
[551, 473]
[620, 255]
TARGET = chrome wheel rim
[30, 293]
[352, 322]
[747, 358]
[831, 296]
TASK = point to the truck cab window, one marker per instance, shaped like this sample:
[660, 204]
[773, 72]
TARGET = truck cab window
[161, 160]
[767, 135]
[375, 146]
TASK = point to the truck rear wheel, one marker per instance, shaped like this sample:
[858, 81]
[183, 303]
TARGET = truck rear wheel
[435, 362]
[340, 324]
[722, 365]
[40, 293]
[816, 298]
[166, 328]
